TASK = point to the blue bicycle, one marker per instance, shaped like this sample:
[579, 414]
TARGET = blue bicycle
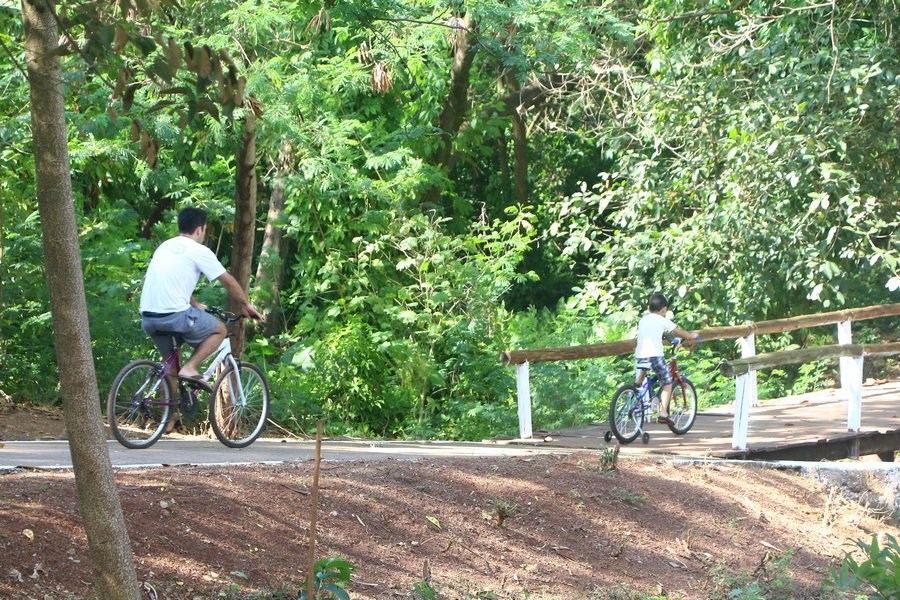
[634, 407]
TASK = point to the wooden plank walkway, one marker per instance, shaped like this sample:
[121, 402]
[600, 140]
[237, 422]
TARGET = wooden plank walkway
[803, 419]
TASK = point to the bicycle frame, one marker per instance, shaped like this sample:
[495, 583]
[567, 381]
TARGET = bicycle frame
[651, 380]
[222, 355]
[644, 391]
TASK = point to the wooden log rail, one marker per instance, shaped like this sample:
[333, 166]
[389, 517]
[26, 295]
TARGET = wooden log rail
[517, 357]
[759, 362]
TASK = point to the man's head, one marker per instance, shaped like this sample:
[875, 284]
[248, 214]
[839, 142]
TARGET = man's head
[657, 302]
[190, 218]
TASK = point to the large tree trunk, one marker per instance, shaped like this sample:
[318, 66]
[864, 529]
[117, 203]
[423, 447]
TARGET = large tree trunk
[270, 270]
[98, 499]
[244, 217]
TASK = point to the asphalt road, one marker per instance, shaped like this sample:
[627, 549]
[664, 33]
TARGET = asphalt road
[55, 454]
[806, 417]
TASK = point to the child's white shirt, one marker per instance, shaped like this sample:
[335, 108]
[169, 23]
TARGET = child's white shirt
[651, 329]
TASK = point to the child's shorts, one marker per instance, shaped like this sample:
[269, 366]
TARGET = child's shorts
[659, 366]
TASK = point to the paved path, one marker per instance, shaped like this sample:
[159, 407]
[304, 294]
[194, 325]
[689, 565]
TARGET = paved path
[802, 418]
[56, 454]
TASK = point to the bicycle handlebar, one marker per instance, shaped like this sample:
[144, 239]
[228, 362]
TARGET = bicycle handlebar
[677, 340]
[226, 316]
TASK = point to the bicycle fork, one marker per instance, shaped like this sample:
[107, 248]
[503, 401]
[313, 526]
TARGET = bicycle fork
[233, 385]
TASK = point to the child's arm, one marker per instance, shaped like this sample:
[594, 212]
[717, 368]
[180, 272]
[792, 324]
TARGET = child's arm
[686, 335]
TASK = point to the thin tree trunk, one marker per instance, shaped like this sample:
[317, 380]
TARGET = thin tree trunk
[456, 106]
[520, 147]
[2, 257]
[98, 499]
[503, 160]
[244, 217]
[270, 270]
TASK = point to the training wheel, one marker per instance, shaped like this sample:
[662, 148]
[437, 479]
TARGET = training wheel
[608, 436]
[645, 438]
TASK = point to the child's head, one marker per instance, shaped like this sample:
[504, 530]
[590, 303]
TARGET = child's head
[657, 302]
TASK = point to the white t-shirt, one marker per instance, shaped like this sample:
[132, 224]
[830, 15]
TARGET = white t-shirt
[174, 272]
[651, 328]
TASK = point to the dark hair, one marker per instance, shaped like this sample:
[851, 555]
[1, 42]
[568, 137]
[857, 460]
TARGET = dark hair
[191, 218]
[657, 302]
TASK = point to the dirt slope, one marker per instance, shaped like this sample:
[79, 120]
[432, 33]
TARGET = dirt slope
[573, 530]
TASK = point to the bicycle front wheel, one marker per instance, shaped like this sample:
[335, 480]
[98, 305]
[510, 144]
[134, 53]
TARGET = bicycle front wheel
[239, 406]
[626, 414]
[683, 407]
[139, 403]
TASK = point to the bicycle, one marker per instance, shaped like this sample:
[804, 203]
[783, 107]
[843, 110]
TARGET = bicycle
[141, 398]
[632, 407]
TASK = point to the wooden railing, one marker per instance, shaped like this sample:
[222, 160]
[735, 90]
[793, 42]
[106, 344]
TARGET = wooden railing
[744, 369]
[743, 366]
[515, 357]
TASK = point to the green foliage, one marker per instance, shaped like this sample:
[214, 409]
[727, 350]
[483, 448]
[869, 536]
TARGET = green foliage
[423, 590]
[772, 581]
[609, 459]
[878, 576]
[344, 380]
[741, 162]
[753, 166]
[329, 579]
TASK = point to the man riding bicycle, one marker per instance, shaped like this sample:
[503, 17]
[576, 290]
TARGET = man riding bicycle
[167, 298]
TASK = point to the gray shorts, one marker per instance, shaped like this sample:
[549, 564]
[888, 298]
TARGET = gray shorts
[191, 326]
[659, 366]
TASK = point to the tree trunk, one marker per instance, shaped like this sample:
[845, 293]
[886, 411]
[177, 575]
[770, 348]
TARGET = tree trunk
[503, 161]
[2, 257]
[244, 218]
[520, 147]
[98, 499]
[456, 106]
[270, 270]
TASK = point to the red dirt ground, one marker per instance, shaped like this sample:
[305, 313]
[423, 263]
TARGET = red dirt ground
[575, 530]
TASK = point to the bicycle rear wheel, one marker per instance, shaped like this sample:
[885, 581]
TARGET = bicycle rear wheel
[626, 414]
[683, 407]
[139, 403]
[239, 405]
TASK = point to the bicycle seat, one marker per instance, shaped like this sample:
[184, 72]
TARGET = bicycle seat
[174, 334]
[177, 340]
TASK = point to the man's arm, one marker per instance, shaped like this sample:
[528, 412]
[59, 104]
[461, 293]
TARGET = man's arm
[236, 292]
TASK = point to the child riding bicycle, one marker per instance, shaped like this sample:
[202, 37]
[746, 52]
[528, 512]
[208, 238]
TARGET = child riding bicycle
[649, 352]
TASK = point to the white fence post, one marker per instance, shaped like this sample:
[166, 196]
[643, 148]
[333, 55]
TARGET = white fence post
[745, 396]
[748, 349]
[741, 411]
[851, 378]
[523, 393]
